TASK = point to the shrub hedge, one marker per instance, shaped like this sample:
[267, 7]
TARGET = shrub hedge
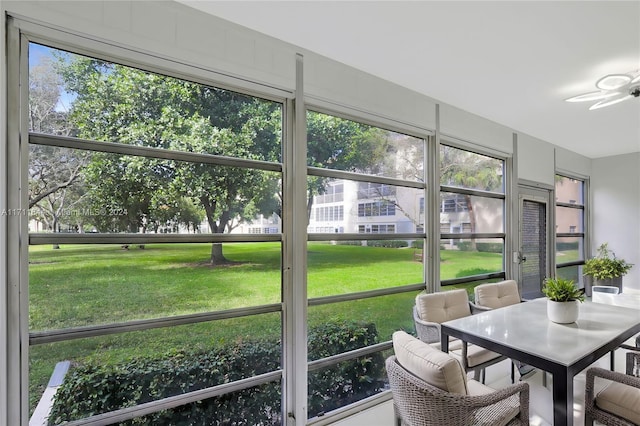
[388, 243]
[90, 389]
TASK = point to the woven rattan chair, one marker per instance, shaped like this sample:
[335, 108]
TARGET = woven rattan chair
[431, 309]
[418, 403]
[619, 403]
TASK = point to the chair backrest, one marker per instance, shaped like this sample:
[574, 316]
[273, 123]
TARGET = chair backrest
[435, 367]
[497, 295]
[443, 306]
[603, 294]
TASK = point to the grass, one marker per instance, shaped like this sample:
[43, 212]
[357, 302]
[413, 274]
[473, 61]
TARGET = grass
[88, 285]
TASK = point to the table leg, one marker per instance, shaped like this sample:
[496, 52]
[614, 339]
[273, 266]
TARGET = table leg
[444, 342]
[613, 360]
[562, 399]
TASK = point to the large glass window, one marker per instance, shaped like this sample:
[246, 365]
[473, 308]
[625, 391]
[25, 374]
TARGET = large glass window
[472, 212]
[362, 275]
[570, 227]
[155, 264]
[141, 189]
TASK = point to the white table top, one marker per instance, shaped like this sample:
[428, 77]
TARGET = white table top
[525, 327]
[630, 300]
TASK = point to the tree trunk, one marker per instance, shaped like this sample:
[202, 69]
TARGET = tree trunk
[217, 257]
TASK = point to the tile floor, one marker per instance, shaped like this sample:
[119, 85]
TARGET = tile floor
[540, 404]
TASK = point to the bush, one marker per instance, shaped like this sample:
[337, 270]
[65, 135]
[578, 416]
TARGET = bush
[564, 246]
[349, 381]
[469, 272]
[489, 247]
[387, 243]
[93, 389]
[464, 246]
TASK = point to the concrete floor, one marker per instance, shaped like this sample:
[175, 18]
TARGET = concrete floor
[498, 375]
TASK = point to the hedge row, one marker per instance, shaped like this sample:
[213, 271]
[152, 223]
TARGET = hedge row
[93, 389]
[480, 247]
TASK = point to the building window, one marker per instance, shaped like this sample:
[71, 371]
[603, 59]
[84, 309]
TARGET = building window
[374, 190]
[377, 229]
[454, 204]
[376, 208]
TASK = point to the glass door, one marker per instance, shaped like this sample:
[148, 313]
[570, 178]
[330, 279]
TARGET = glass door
[534, 240]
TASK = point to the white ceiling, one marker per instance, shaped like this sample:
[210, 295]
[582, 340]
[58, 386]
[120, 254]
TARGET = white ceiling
[513, 62]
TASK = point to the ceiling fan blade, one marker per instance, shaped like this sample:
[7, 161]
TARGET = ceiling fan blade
[607, 102]
[592, 96]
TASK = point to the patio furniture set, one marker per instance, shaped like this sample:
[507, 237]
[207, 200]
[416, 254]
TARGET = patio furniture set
[427, 374]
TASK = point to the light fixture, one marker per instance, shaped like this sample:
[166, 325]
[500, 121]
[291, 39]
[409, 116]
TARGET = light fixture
[614, 88]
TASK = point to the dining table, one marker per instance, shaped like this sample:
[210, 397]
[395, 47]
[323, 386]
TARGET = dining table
[523, 332]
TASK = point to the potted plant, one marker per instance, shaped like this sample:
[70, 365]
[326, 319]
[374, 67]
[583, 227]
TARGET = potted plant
[562, 300]
[604, 269]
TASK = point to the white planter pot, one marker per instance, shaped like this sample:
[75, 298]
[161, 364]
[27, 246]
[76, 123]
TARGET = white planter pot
[563, 312]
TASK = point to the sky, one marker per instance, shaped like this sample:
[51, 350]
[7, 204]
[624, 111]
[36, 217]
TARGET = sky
[36, 53]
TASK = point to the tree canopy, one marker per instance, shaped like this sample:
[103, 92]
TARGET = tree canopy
[120, 104]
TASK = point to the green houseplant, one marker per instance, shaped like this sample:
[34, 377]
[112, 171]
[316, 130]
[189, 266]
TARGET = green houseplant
[562, 300]
[604, 269]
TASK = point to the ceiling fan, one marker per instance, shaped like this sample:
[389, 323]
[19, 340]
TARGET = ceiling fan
[614, 88]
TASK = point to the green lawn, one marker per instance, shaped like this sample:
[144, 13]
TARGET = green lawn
[87, 285]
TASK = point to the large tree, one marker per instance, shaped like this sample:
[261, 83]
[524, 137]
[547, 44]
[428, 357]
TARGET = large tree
[121, 104]
[125, 105]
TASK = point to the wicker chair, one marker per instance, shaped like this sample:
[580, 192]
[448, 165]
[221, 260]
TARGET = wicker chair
[430, 388]
[619, 403]
[432, 309]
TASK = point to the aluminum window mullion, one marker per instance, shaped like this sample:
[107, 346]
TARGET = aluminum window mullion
[325, 300]
[295, 395]
[475, 192]
[150, 152]
[346, 356]
[89, 238]
[569, 205]
[15, 378]
[50, 336]
[129, 413]
[363, 237]
[466, 236]
[473, 278]
[360, 177]
[570, 234]
[567, 264]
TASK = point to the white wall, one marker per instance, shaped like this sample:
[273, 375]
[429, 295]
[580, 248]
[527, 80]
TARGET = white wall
[473, 128]
[615, 189]
[535, 160]
[569, 161]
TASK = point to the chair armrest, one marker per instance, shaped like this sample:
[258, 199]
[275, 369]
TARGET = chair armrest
[521, 388]
[614, 376]
[632, 348]
[428, 332]
[476, 309]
